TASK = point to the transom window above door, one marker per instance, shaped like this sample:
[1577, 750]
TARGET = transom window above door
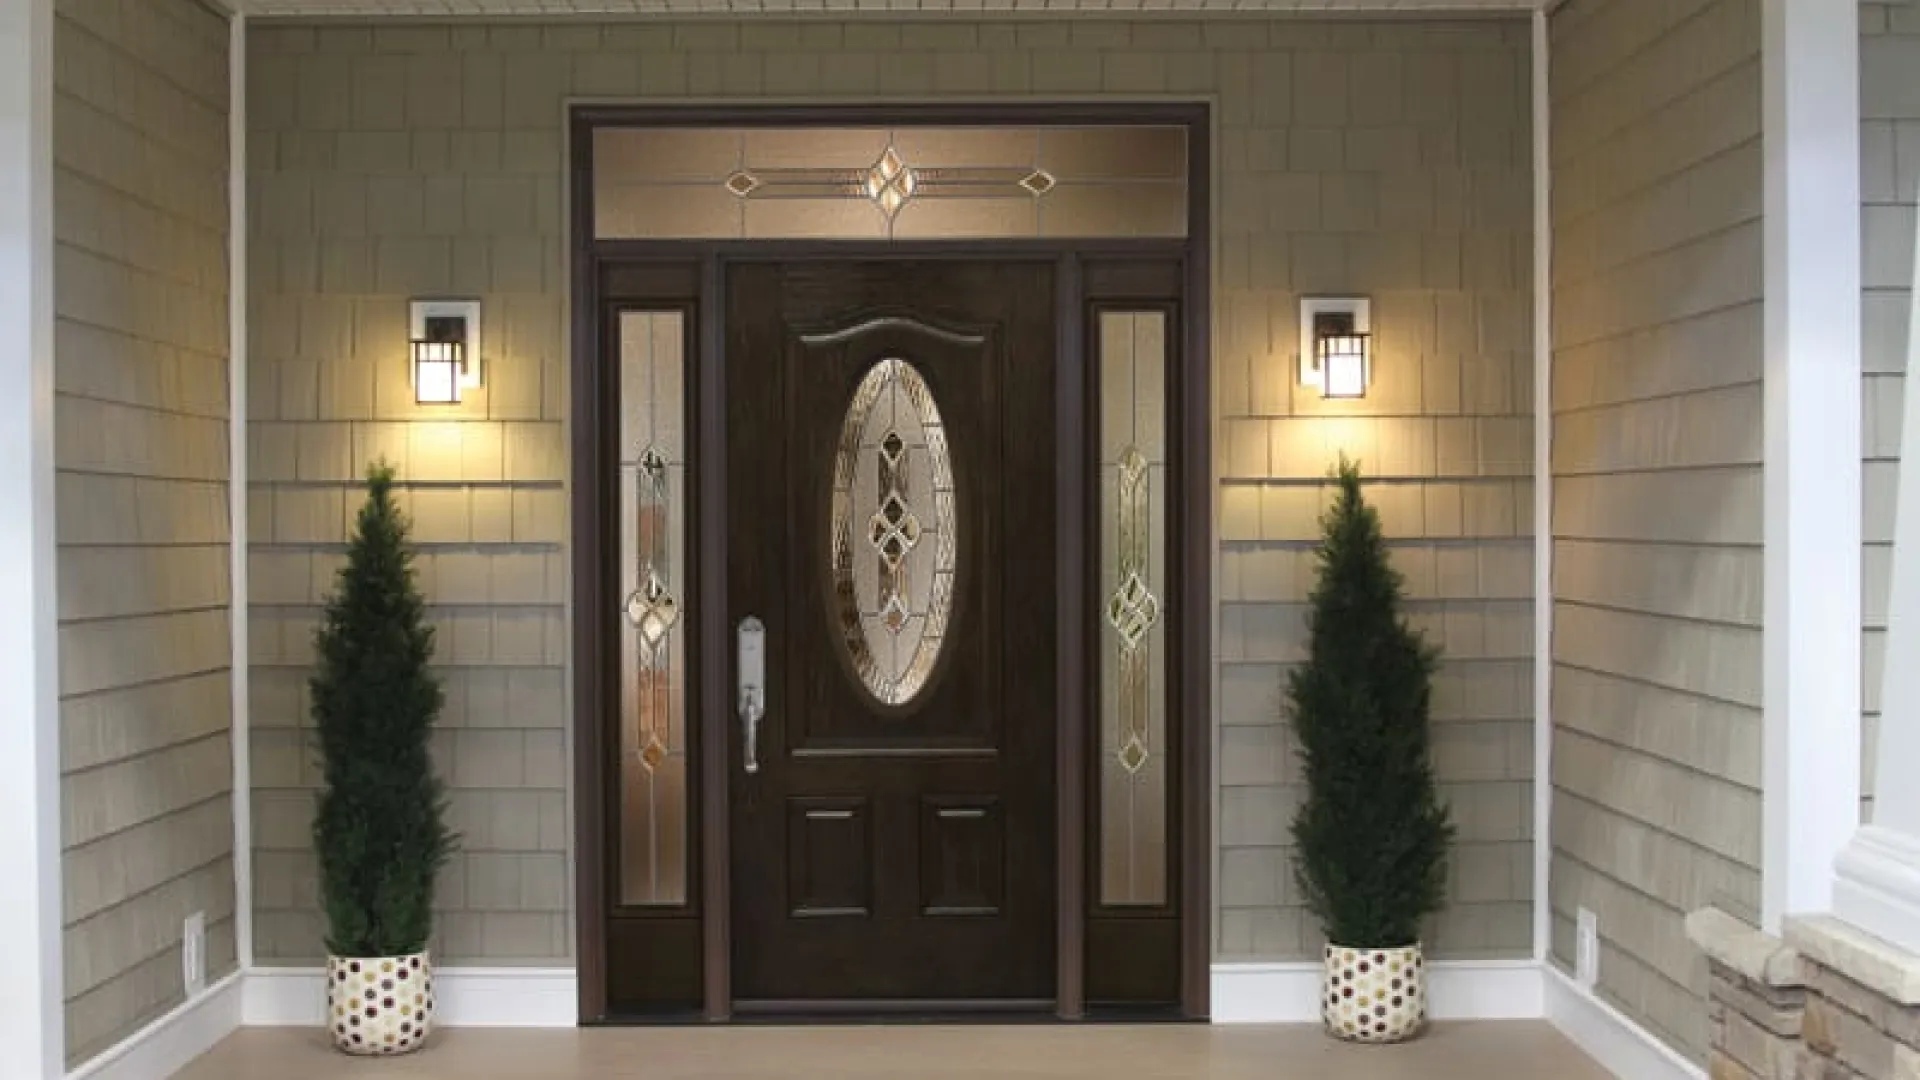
[877, 183]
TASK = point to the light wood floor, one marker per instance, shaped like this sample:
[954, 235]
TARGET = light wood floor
[1520, 1050]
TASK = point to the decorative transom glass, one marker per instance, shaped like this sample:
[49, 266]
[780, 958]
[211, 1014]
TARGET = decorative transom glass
[877, 182]
[893, 537]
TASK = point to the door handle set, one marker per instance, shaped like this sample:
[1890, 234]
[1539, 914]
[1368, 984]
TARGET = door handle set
[750, 698]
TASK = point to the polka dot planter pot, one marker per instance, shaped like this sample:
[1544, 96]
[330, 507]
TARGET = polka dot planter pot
[1374, 995]
[380, 1005]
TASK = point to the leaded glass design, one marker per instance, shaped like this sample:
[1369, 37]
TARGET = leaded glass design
[875, 183]
[653, 676]
[893, 537]
[1133, 651]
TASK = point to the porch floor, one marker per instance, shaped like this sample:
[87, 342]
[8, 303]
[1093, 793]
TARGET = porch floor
[1469, 1051]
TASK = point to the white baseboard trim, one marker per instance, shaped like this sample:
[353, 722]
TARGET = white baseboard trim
[1282, 993]
[463, 997]
[1456, 990]
[1621, 1046]
[164, 1047]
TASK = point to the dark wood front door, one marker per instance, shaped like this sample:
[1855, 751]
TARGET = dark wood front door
[892, 515]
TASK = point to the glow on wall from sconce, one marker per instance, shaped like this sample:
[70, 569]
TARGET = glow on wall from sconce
[436, 448]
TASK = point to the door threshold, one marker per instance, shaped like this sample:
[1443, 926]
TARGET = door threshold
[885, 1011]
[900, 1013]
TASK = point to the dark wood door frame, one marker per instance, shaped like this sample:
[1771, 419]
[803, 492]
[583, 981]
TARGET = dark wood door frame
[690, 275]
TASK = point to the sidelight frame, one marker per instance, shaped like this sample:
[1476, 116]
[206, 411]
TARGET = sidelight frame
[693, 941]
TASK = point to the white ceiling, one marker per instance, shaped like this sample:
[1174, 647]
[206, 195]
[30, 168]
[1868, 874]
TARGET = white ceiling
[419, 8]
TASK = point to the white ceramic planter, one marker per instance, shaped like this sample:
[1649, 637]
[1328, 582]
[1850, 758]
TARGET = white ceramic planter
[380, 1005]
[1374, 995]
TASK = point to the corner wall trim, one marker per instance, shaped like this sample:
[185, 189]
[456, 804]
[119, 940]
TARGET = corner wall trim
[464, 997]
[1617, 1043]
[166, 1045]
[1289, 993]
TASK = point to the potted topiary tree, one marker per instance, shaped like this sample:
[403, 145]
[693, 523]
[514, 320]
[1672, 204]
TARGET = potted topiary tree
[1372, 836]
[379, 828]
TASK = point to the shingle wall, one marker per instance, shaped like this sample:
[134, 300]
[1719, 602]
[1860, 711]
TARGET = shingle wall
[1383, 157]
[140, 223]
[1657, 282]
[1889, 179]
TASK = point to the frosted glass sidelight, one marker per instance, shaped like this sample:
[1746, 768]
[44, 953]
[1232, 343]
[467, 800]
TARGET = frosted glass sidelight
[1133, 648]
[653, 668]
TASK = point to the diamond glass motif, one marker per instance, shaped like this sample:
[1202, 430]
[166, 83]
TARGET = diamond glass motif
[743, 183]
[894, 613]
[1038, 182]
[653, 754]
[1132, 610]
[1133, 756]
[890, 183]
[652, 609]
[893, 531]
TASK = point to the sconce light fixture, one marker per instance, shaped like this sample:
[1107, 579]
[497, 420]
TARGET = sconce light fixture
[444, 355]
[1336, 345]
[1344, 361]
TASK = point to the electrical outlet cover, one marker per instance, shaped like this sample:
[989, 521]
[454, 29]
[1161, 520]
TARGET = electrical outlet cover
[193, 953]
[1587, 957]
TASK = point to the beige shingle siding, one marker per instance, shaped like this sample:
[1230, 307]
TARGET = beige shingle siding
[140, 223]
[1657, 282]
[1889, 179]
[1383, 157]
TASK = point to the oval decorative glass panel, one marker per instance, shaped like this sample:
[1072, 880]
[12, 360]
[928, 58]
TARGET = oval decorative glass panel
[893, 531]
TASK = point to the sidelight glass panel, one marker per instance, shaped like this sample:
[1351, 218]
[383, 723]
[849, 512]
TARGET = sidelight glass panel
[893, 531]
[653, 633]
[1133, 623]
[881, 182]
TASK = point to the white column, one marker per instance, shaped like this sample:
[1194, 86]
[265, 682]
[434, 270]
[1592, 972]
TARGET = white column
[1878, 887]
[30, 1006]
[1812, 369]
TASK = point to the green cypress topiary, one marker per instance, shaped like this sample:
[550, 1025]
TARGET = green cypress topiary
[1372, 835]
[379, 829]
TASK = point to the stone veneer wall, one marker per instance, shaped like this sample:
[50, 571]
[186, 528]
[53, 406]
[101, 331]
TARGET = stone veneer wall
[1756, 999]
[1387, 157]
[141, 462]
[1657, 279]
[1830, 1003]
[1889, 188]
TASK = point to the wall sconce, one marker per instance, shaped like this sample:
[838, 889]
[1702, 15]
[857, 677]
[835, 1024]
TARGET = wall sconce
[444, 354]
[1336, 345]
[1344, 362]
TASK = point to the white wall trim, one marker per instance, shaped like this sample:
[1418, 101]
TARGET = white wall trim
[1622, 1047]
[1812, 611]
[1542, 485]
[240, 716]
[463, 997]
[1877, 886]
[31, 1021]
[167, 1044]
[1289, 993]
